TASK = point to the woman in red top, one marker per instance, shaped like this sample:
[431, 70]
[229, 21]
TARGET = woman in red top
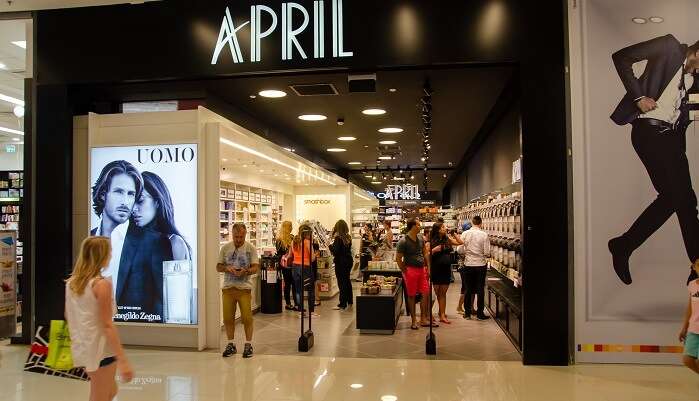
[306, 258]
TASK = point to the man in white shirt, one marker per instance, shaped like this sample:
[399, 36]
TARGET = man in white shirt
[656, 105]
[476, 250]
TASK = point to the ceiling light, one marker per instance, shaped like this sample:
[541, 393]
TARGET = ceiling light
[385, 157]
[11, 131]
[374, 112]
[398, 178]
[389, 398]
[312, 117]
[368, 176]
[393, 90]
[20, 43]
[376, 182]
[253, 96]
[262, 171]
[18, 111]
[656, 20]
[638, 20]
[388, 142]
[391, 130]
[273, 160]
[272, 93]
[12, 100]
[15, 139]
[224, 160]
[346, 138]
[336, 150]
[3, 66]
[357, 385]
[354, 163]
[444, 175]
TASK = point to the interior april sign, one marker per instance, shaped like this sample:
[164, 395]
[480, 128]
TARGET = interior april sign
[400, 192]
[294, 20]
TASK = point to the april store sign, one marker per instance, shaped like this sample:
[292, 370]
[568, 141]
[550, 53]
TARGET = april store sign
[290, 29]
[400, 192]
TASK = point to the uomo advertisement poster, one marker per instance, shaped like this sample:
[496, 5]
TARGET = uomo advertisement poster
[144, 198]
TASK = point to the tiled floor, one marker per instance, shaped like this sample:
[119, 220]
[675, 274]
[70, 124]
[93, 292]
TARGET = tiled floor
[205, 376]
[335, 336]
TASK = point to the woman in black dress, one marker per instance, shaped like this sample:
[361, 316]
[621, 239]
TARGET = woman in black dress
[341, 249]
[441, 247]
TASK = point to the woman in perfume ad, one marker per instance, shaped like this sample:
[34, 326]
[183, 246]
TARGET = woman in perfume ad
[155, 206]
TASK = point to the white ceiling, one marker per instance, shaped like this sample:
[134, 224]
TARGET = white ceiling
[28, 5]
[12, 77]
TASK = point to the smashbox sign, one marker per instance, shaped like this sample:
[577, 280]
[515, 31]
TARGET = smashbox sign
[292, 20]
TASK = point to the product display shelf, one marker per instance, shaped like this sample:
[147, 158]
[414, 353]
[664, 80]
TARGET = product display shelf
[327, 281]
[257, 208]
[362, 216]
[502, 220]
[379, 313]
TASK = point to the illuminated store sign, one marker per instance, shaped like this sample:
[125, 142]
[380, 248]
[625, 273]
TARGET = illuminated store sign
[294, 20]
[400, 192]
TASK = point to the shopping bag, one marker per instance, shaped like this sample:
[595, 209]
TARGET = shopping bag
[59, 356]
[36, 360]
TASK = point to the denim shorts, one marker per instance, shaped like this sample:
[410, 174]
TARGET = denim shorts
[691, 345]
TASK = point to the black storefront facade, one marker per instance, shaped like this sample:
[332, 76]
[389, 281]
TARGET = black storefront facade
[84, 57]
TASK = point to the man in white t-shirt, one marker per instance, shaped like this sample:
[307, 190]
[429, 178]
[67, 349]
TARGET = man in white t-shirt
[238, 261]
[476, 250]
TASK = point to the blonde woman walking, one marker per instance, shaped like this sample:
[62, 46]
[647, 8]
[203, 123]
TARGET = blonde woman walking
[89, 310]
[283, 245]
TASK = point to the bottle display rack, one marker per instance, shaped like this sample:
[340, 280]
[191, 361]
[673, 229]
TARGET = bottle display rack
[259, 209]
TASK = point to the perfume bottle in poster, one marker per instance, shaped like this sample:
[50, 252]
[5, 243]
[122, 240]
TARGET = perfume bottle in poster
[177, 291]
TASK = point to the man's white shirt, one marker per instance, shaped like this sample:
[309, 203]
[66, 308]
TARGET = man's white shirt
[669, 103]
[117, 240]
[476, 247]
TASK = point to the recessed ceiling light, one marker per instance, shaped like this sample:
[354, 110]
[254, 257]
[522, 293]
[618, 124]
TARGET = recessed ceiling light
[20, 43]
[272, 93]
[639, 20]
[376, 182]
[346, 138]
[18, 111]
[312, 117]
[253, 96]
[245, 165]
[336, 150]
[391, 130]
[262, 171]
[388, 142]
[374, 112]
[356, 386]
[354, 163]
[393, 90]
[224, 160]
[398, 178]
[15, 139]
[368, 176]
[389, 398]
[3, 66]
[385, 158]
[656, 20]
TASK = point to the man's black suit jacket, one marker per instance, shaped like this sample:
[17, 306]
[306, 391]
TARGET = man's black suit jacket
[665, 56]
[140, 278]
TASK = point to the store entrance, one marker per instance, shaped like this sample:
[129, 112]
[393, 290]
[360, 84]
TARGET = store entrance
[315, 149]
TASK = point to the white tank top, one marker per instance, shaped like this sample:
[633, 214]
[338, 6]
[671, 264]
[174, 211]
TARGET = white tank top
[88, 343]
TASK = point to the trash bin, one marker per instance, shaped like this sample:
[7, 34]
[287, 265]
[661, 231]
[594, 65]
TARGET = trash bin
[271, 285]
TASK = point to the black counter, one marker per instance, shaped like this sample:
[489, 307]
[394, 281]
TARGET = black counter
[379, 314]
[504, 301]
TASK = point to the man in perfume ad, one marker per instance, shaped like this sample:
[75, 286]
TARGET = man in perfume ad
[656, 106]
[135, 208]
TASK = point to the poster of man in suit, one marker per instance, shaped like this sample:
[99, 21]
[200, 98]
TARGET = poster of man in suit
[138, 198]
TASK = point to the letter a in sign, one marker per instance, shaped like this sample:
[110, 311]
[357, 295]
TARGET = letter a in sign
[227, 36]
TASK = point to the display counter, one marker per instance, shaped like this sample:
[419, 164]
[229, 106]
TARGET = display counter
[504, 301]
[378, 314]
